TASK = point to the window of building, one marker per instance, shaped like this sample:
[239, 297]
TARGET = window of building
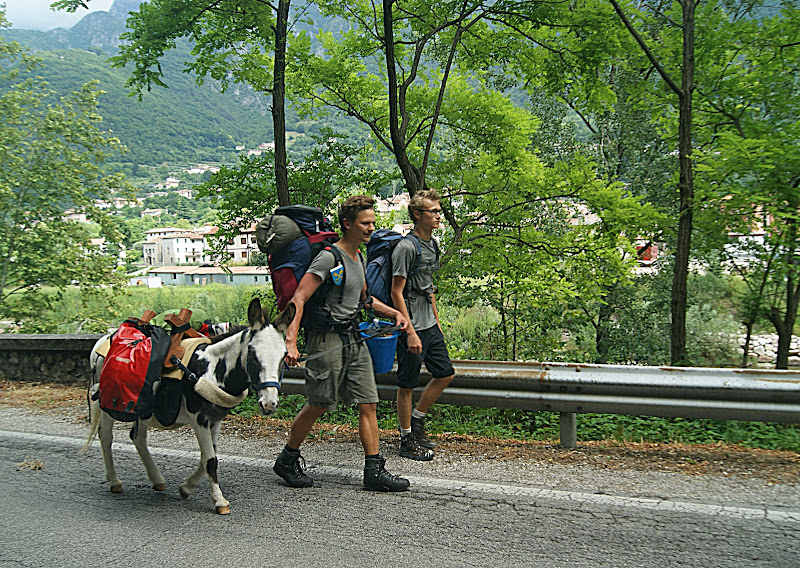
[244, 240]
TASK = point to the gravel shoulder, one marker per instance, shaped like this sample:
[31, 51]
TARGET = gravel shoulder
[722, 474]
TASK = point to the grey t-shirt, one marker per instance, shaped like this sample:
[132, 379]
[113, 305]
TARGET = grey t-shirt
[322, 264]
[419, 286]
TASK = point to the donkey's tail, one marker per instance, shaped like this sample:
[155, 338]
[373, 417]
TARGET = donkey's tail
[94, 416]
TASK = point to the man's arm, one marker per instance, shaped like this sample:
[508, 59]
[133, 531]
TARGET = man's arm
[305, 289]
[382, 309]
[412, 339]
[436, 312]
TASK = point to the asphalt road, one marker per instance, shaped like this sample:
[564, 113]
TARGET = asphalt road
[63, 515]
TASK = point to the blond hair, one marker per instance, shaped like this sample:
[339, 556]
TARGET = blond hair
[417, 203]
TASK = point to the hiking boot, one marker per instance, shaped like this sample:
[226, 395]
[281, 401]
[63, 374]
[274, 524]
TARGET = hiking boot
[410, 448]
[418, 431]
[288, 467]
[376, 478]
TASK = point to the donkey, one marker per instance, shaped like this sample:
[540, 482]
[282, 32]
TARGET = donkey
[225, 369]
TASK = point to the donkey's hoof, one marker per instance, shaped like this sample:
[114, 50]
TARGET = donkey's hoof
[160, 487]
[184, 494]
[116, 489]
[224, 510]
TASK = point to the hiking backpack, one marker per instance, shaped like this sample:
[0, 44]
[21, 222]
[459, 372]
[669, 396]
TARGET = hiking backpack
[380, 247]
[131, 370]
[292, 237]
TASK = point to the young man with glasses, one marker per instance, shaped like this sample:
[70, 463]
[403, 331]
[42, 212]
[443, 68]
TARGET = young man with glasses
[414, 296]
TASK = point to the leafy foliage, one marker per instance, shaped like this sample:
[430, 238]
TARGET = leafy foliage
[52, 150]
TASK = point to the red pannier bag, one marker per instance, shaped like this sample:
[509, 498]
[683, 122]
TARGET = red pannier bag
[132, 369]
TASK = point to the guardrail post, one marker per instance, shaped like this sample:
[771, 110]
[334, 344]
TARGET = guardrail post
[568, 429]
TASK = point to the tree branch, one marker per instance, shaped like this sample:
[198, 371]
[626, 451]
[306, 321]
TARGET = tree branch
[648, 52]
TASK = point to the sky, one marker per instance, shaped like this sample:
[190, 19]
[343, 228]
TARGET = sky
[37, 15]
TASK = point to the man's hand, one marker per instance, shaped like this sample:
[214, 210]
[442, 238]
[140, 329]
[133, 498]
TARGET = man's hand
[413, 342]
[400, 319]
[292, 354]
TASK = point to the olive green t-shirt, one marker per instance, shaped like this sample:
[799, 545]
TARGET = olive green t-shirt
[419, 286]
[353, 283]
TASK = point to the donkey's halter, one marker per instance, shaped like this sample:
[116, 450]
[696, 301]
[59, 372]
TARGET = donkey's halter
[266, 384]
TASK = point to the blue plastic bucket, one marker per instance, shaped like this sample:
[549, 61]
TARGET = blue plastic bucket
[381, 348]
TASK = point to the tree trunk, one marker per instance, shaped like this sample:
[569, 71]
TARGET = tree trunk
[411, 174]
[686, 190]
[745, 356]
[685, 178]
[602, 342]
[279, 103]
[785, 325]
[516, 330]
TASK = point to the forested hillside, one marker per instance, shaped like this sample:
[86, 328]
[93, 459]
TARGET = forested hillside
[186, 123]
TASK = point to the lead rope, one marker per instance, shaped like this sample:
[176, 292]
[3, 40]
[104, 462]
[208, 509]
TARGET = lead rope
[381, 331]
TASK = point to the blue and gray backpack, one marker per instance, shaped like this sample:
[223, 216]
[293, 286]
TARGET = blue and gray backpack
[379, 262]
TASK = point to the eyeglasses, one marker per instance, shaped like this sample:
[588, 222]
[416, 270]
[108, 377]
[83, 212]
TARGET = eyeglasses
[434, 212]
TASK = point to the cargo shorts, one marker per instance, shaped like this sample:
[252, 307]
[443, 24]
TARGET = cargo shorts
[344, 374]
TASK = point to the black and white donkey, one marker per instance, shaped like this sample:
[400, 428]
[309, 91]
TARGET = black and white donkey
[225, 369]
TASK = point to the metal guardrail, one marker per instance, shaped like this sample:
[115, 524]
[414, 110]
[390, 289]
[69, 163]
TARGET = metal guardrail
[567, 388]
[571, 389]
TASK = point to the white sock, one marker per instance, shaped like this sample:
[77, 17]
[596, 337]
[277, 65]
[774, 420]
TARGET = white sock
[417, 414]
[405, 431]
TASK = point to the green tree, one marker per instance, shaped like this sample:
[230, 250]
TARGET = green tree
[52, 151]
[752, 159]
[245, 194]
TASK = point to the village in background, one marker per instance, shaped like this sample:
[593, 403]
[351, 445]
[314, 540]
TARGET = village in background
[177, 256]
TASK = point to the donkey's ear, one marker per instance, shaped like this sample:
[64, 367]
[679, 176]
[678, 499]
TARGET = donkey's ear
[255, 315]
[283, 320]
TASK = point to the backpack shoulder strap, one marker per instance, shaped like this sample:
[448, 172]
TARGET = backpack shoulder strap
[339, 259]
[413, 236]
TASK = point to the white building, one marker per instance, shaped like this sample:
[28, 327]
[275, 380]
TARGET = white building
[186, 192]
[242, 246]
[175, 246]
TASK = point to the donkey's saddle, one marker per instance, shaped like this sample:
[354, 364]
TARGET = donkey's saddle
[189, 346]
[164, 400]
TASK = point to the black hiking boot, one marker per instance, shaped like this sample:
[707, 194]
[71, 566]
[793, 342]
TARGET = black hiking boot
[418, 431]
[376, 478]
[410, 448]
[288, 467]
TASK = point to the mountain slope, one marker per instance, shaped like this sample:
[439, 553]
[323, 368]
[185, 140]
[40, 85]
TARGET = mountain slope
[185, 123]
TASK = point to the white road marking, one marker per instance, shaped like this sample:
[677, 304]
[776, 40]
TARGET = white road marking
[466, 487]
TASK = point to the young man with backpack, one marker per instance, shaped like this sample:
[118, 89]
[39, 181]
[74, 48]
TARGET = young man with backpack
[414, 261]
[343, 368]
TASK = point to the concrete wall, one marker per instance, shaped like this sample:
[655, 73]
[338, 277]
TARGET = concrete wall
[42, 357]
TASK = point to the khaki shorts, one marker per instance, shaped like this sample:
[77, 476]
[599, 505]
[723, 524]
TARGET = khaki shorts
[344, 374]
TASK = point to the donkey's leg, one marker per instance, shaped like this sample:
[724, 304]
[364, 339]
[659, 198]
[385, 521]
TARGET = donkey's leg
[208, 465]
[153, 473]
[106, 433]
[187, 487]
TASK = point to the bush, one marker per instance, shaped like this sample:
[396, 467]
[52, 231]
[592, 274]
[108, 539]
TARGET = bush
[78, 313]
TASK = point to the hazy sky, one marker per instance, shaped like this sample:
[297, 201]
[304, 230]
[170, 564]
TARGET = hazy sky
[37, 15]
